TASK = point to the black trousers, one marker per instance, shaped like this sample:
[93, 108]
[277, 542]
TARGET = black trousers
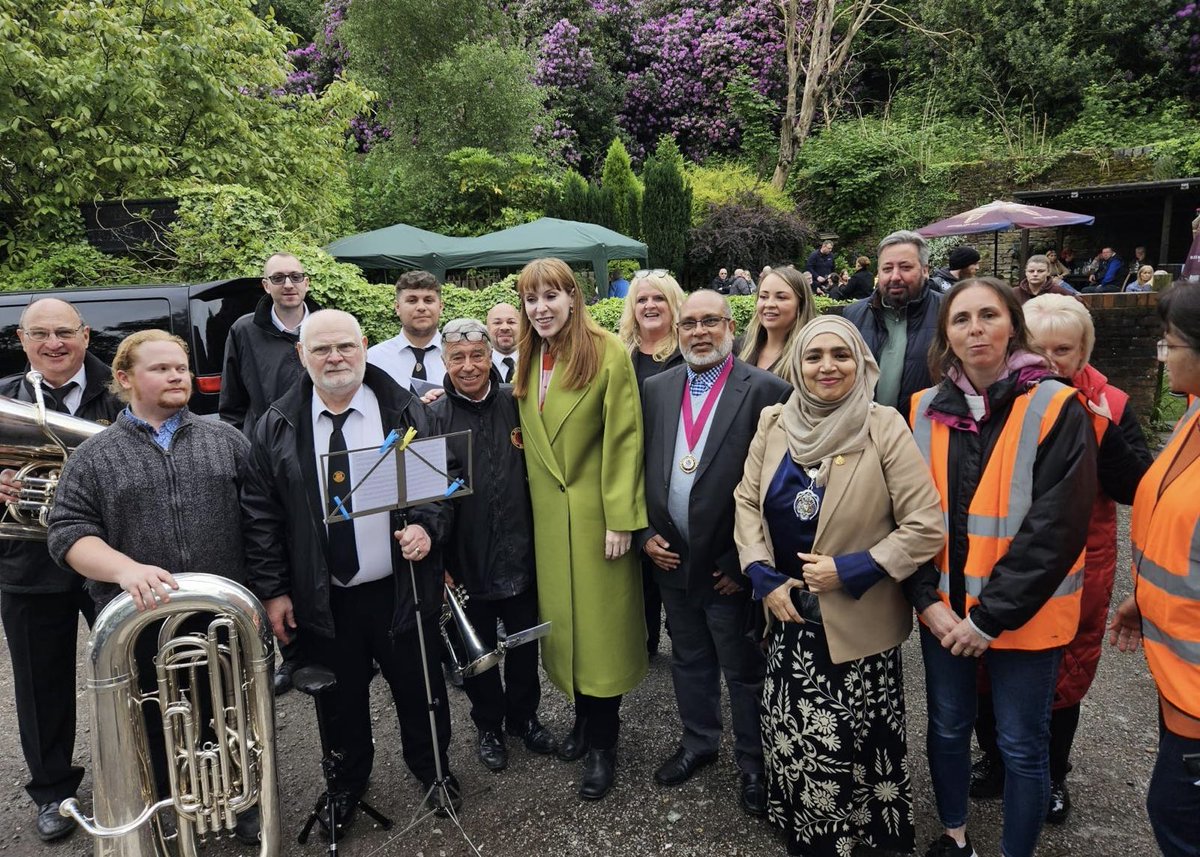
[601, 716]
[652, 599]
[42, 631]
[516, 699]
[362, 617]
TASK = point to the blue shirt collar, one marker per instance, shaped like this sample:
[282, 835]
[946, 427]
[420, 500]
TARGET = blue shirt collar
[700, 383]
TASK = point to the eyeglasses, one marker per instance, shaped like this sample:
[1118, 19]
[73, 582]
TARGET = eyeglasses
[710, 322]
[645, 272]
[296, 277]
[38, 334]
[344, 349]
[1164, 349]
[468, 335]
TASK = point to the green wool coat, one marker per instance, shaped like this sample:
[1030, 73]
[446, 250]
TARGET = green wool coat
[583, 453]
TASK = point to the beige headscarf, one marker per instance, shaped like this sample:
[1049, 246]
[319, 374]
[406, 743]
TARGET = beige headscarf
[817, 430]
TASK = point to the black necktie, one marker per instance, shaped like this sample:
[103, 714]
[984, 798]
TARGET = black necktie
[343, 549]
[419, 367]
[508, 372]
[57, 399]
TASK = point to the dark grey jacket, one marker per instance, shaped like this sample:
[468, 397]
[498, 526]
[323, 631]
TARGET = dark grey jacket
[26, 566]
[867, 316]
[490, 546]
[261, 365]
[176, 509]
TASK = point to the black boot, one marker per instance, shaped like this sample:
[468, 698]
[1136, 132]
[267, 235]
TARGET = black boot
[599, 771]
[575, 745]
[987, 777]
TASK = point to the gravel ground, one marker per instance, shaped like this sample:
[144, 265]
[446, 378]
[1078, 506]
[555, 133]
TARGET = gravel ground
[532, 809]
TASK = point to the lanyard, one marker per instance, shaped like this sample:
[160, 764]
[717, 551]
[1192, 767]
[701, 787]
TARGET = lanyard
[694, 427]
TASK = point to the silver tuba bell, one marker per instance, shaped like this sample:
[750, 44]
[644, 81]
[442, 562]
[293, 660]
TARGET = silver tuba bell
[467, 652]
[212, 779]
[36, 442]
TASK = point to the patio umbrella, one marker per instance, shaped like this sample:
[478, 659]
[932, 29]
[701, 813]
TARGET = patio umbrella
[999, 215]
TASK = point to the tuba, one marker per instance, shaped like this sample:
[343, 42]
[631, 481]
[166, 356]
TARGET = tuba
[36, 442]
[212, 779]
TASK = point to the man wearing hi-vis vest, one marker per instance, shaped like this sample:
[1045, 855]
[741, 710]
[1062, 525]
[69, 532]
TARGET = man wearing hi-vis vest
[1012, 453]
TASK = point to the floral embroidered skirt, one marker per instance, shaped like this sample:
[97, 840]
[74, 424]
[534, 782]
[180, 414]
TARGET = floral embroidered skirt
[835, 747]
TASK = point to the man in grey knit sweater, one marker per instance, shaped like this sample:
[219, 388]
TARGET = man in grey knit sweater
[154, 495]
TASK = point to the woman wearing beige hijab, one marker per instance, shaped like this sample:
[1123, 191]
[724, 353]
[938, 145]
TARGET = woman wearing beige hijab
[835, 509]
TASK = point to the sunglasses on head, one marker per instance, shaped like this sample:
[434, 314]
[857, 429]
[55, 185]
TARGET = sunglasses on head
[467, 335]
[646, 272]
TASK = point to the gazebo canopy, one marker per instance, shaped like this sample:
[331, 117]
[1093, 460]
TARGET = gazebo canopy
[403, 246]
[398, 246]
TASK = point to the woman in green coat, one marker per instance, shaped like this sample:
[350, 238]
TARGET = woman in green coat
[581, 424]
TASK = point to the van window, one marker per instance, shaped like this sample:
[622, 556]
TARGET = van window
[213, 314]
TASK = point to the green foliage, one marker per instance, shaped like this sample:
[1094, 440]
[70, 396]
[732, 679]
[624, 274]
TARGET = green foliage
[571, 201]
[758, 117]
[339, 285]
[69, 266]
[607, 313]
[299, 16]
[602, 210]
[719, 183]
[128, 99]
[618, 179]
[471, 303]
[666, 207]
[222, 231]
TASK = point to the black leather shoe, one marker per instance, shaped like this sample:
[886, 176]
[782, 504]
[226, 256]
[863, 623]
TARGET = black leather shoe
[246, 830]
[599, 771]
[987, 777]
[492, 751]
[345, 806]
[437, 799]
[680, 767]
[754, 794]
[283, 678]
[575, 745]
[51, 825]
[1060, 803]
[537, 738]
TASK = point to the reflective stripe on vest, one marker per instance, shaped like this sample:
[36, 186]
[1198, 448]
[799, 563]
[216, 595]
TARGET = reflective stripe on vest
[998, 508]
[1166, 564]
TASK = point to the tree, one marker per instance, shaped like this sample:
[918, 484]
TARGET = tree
[618, 179]
[127, 98]
[748, 233]
[666, 207]
[572, 200]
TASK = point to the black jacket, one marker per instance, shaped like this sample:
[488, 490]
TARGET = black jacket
[867, 316]
[26, 566]
[283, 510]
[860, 285]
[261, 364]
[490, 546]
[710, 511]
[1054, 530]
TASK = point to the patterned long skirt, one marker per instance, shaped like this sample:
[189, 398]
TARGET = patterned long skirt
[835, 747]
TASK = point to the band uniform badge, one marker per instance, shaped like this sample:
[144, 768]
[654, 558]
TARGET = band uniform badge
[515, 437]
[339, 476]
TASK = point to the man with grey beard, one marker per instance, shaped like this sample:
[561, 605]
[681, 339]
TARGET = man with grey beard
[699, 420]
[346, 584]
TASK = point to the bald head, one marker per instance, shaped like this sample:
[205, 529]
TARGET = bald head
[325, 319]
[54, 339]
[702, 346]
[334, 352]
[502, 321]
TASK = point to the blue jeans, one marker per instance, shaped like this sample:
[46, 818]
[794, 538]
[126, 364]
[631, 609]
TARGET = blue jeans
[1174, 797]
[1022, 689]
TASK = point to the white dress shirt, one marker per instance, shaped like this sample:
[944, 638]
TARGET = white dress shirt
[283, 328]
[74, 399]
[363, 428]
[394, 357]
[498, 362]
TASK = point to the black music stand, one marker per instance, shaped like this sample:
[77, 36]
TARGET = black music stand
[317, 681]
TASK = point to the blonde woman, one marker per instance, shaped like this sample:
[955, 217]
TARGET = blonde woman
[784, 305]
[647, 328]
[647, 325]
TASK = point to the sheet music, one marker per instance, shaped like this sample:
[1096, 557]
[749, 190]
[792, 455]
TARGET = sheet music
[422, 481]
[380, 490]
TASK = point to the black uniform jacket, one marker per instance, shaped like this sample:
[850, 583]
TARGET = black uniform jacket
[490, 549]
[25, 566]
[283, 510]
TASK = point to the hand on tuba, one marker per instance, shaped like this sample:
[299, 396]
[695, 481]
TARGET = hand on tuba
[148, 584]
[10, 486]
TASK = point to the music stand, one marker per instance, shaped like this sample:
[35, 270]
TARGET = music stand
[317, 681]
[423, 469]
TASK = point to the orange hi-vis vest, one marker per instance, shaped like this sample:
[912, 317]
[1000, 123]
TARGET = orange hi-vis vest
[998, 508]
[1166, 564]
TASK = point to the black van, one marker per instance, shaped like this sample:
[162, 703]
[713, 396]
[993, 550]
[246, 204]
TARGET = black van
[200, 313]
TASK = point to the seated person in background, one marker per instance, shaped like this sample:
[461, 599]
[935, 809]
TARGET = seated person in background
[1135, 266]
[720, 283]
[1107, 276]
[1038, 281]
[1066, 258]
[1057, 269]
[1144, 281]
[741, 283]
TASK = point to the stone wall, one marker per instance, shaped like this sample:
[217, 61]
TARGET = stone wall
[1127, 329]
